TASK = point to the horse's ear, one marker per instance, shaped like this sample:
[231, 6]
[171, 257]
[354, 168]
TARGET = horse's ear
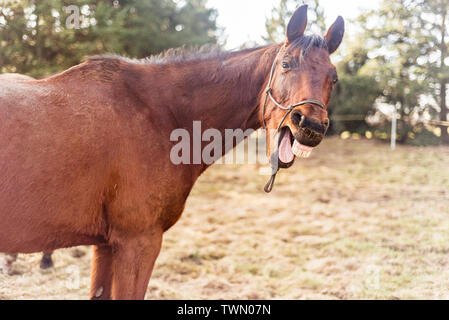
[335, 34]
[297, 24]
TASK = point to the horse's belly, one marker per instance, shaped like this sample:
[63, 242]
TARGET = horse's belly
[39, 229]
[43, 211]
[10, 243]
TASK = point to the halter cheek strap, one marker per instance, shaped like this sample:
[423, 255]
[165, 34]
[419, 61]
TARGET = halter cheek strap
[274, 158]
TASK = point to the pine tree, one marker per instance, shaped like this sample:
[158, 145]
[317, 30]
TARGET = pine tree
[406, 39]
[41, 37]
[435, 24]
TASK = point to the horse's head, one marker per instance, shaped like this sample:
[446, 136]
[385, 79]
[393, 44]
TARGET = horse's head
[299, 89]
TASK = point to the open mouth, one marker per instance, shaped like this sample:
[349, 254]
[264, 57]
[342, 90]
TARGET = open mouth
[289, 148]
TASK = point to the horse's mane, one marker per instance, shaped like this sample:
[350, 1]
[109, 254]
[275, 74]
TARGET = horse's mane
[182, 54]
[186, 54]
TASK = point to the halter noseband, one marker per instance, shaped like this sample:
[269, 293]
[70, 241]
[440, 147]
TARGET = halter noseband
[268, 94]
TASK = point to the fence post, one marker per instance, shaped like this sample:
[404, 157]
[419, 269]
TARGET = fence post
[393, 129]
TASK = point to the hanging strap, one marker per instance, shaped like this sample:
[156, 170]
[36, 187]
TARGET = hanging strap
[274, 170]
[274, 162]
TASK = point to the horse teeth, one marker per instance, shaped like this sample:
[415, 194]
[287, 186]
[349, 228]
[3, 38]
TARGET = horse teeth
[301, 151]
[297, 152]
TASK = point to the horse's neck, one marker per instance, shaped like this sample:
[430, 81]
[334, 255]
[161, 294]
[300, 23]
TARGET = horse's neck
[219, 93]
[225, 94]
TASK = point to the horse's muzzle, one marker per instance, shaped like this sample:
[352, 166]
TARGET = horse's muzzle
[310, 132]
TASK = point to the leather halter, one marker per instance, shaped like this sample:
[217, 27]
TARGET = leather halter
[268, 94]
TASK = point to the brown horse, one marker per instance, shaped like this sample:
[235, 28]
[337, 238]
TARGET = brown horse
[46, 261]
[85, 154]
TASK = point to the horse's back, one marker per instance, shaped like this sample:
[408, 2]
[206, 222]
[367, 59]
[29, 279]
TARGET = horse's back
[15, 77]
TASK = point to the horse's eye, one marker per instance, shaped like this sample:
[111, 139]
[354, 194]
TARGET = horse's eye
[335, 81]
[286, 65]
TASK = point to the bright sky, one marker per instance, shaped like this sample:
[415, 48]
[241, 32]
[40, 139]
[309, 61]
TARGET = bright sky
[244, 20]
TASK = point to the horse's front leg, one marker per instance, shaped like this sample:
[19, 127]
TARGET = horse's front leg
[101, 274]
[132, 265]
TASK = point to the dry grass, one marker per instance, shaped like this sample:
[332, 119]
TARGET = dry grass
[354, 221]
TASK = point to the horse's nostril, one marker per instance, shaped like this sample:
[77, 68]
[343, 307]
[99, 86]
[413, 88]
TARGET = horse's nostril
[297, 117]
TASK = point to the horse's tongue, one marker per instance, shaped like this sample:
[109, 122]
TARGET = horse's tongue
[285, 148]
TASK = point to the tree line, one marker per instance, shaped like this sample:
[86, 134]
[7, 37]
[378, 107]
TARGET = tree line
[41, 37]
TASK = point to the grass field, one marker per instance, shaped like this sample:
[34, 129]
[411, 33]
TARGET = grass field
[354, 221]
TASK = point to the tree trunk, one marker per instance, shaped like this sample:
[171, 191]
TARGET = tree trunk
[443, 112]
[444, 81]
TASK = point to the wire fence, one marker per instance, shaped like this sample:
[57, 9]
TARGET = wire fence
[438, 123]
[357, 117]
